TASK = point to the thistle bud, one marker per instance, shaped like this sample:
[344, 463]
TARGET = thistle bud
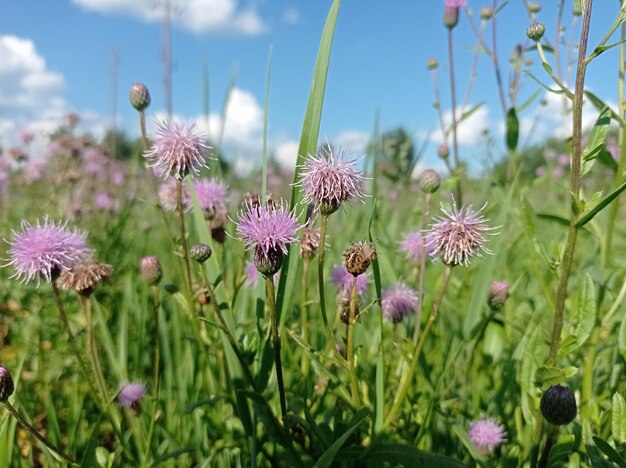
[200, 252]
[533, 7]
[535, 31]
[268, 263]
[451, 17]
[558, 405]
[429, 181]
[432, 64]
[443, 151]
[151, 270]
[309, 242]
[498, 293]
[139, 96]
[486, 13]
[358, 257]
[6, 384]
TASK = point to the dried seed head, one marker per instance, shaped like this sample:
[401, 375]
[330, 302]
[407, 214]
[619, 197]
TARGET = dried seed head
[84, 277]
[309, 242]
[200, 252]
[429, 181]
[558, 405]
[139, 96]
[358, 257]
[151, 270]
[7, 387]
[535, 31]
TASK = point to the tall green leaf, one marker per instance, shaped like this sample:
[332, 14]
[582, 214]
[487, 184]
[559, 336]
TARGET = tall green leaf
[586, 309]
[512, 130]
[329, 455]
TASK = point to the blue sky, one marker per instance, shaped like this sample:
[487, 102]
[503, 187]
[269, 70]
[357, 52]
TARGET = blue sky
[56, 57]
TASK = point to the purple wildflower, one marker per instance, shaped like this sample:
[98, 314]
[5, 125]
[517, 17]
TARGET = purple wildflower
[343, 279]
[44, 251]
[103, 201]
[178, 150]
[454, 3]
[541, 170]
[130, 394]
[211, 196]
[398, 302]
[328, 182]
[459, 234]
[498, 294]
[486, 435]
[168, 196]
[416, 245]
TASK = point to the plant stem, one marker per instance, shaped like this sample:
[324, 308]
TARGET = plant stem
[320, 281]
[354, 383]
[422, 270]
[93, 349]
[304, 313]
[407, 375]
[57, 451]
[183, 235]
[455, 143]
[550, 439]
[156, 364]
[575, 183]
[270, 299]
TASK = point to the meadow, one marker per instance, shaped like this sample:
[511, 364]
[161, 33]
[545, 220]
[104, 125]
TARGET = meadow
[157, 309]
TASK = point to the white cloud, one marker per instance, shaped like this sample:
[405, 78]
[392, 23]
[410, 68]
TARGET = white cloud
[286, 153]
[353, 142]
[291, 15]
[469, 131]
[198, 16]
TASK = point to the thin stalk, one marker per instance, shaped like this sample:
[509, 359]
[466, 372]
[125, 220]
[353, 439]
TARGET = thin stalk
[183, 235]
[270, 298]
[575, 183]
[93, 348]
[552, 432]
[354, 383]
[422, 270]
[54, 449]
[455, 143]
[407, 376]
[304, 316]
[494, 56]
[157, 366]
[320, 279]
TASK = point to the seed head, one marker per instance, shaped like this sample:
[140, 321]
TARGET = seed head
[535, 31]
[429, 181]
[44, 251]
[398, 302]
[309, 242]
[358, 257]
[7, 387]
[84, 277]
[151, 270]
[486, 435]
[139, 96]
[200, 252]
[178, 150]
[498, 293]
[558, 405]
[328, 182]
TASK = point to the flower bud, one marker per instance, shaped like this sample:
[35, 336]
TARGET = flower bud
[151, 270]
[558, 405]
[451, 17]
[139, 96]
[6, 384]
[498, 293]
[533, 7]
[535, 31]
[486, 13]
[309, 242]
[358, 257]
[268, 263]
[429, 181]
[432, 64]
[200, 252]
[443, 151]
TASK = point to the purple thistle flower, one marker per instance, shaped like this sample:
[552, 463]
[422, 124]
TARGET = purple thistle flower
[416, 245]
[398, 302]
[131, 393]
[328, 182]
[211, 195]
[178, 150]
[168, 196]
[454, 3]
[459, 234]
[486, 435]
[343, 279]
[44, 251]
[267, 230]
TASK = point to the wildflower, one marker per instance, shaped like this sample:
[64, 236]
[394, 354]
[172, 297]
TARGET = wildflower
[328, 182]
[103, 201]
[252, 275]
[131, 394]
[151, 270]
[168, 196]
[358, 257]
[429, 181]
[343, 279]
[398, 302]
[178, 150]
[486, 435]
[558, 405]
[44, 251]
[459, 234]
[268, 230]
[211, 196]
[84, 277]
[451, 12]
[7, 387]
[139, 96]
[416, 245]
[309, 242]
[498, 293]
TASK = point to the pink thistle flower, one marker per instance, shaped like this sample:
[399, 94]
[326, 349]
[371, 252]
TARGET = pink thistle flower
[343, 279]
[178, 150]
[398, 302]
[416, 245]
[486, 435]
[103, 201]
[211, 196]
[44, 251]
[268, 230]
[130, 394]
[459, 234]
[168, 196]
[454, 3]
[328, 182]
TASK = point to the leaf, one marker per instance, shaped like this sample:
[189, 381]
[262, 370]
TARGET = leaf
[555, 218]
[89, 456]
[396, 454]
[599, 104]
[530, 100]
[589, 215]
[529, 219]
[512, 130]
[568, 346]
[586, 309]
[609, 451]
[561, 450]
[618, 418]
[547, 376]
[595, 457]
[329, 455]
[597, 139]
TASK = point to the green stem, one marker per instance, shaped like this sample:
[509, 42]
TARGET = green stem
[407, 375]
[354, 383]
[304, 312]
[183, 237]
[157, 367]
[550, 439]
[55, 450]
[422, 270]
[270, 298]
[455, 143]
[575, 183]
[93, 349]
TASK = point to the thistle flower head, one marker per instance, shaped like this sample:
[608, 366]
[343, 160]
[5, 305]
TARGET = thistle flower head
[44, 251]
[343, 279]
[459, 234]
[168, 196]
[498, 293]
[139, 96]
[131, 394]
[558, 405]
[358, 257]
[200, 252]
[398, 302]
[454, 3]
[84, 277]
[268, 230]
[309, 242]
[486, 435]
[211, 196]
[178, 150]
[328, 182]
[416, 246]
[151, 270]
[7, 387]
